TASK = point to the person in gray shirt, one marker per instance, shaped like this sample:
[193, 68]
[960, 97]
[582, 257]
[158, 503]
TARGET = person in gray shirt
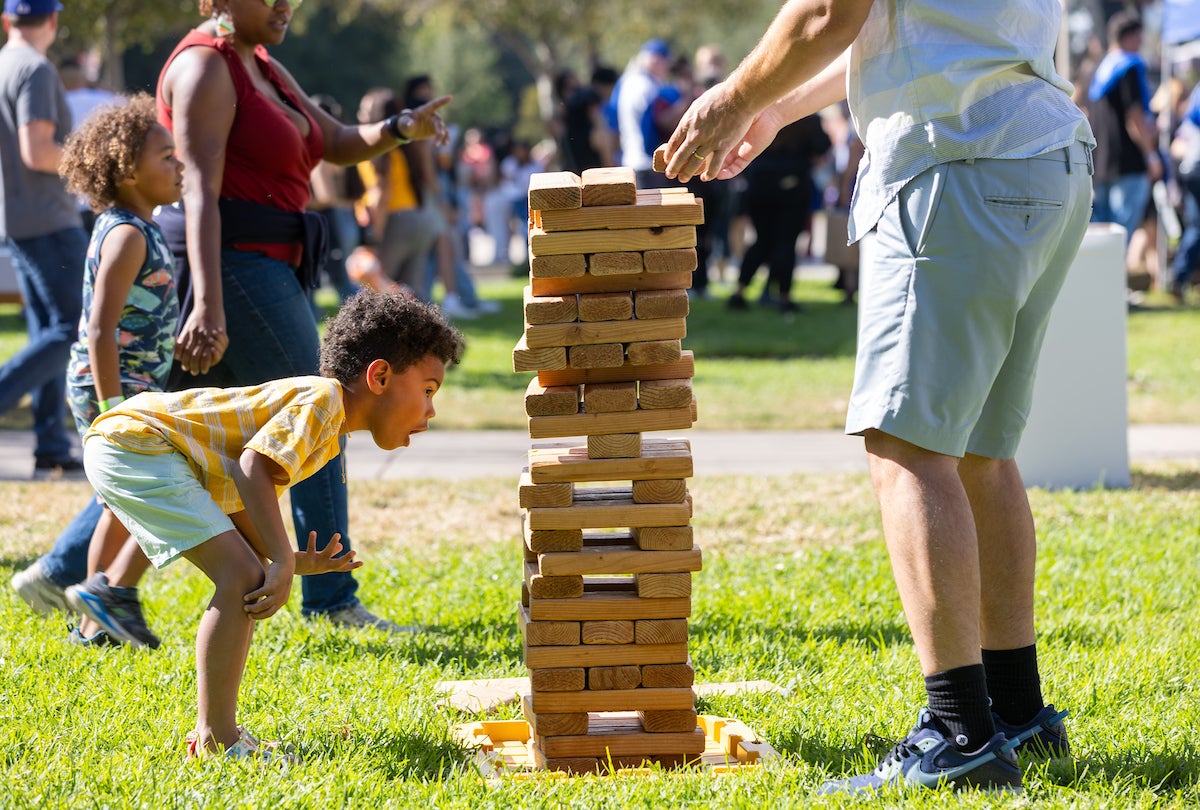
[41, 226]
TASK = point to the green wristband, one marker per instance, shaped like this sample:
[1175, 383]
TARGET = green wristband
[106, 405]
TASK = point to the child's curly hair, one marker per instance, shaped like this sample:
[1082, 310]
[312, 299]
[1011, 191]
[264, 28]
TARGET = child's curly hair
[388, 326]
[105, 149]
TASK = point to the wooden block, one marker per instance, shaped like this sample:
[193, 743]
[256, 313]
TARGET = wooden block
[622, 737]
[614, 445]
[549, 495]
[615, 700]
[593, 560]
[661, 304]
[654, 208]
[669, 675]
[664, 586]
[602, 355]
[661, 457]
[656, 394]
[557, 400]
[612, 185]
[664, 538]
[553, 725]
[675, 260]
[547, 634]
[613, 513]
[527, 555]
[555, 190]
[592, 284]
[660, 631]
[579, 334]
[610, 397]
[541, 586]
[616, 306]
[684, 368]
[554, 357]
[566, 679]
[608, 678]
[566, 265]
[665, 490]
[591, 424]
[669, 721]
[658, 161]
[623, 263]
[607, 631]
[600, 655]
[649, 352]
[604, 605]
[674, 237]
[572, 765]
[550, 309]
[553, 540]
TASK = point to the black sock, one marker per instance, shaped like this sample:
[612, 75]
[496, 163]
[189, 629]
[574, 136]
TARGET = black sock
[958, 699]
[1013, 683]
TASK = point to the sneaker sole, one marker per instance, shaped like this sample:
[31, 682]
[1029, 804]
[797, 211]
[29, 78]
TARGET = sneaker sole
[40, 598]
[92, 607]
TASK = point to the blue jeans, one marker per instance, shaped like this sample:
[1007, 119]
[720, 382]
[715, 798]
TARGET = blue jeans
[1122, 201]
[1187, 256]
[272, 334]
[464, 284]
[50, 276]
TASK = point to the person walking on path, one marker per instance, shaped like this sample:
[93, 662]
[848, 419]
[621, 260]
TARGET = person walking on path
[973, 196]
[41, 225]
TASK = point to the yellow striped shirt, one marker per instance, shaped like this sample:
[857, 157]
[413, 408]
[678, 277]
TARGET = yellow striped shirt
[295, 422]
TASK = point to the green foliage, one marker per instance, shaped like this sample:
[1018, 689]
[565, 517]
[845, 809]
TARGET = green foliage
[795, 590]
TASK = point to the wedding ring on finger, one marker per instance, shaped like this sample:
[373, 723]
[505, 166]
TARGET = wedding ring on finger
[699, 156]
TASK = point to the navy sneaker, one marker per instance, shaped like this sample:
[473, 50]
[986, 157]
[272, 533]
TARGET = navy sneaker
[1044, 736]
[926, 759]
[119, 613]
[99, 639]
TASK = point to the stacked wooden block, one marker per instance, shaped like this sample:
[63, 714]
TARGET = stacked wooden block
[609, 550]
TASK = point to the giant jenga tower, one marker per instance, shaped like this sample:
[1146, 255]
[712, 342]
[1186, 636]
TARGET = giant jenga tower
[609, 551]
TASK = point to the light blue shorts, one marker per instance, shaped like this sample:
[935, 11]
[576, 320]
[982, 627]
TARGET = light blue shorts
[957, 282]
[156, 497]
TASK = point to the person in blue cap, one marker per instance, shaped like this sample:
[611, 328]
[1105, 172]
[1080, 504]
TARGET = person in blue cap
[41, 226]
[637, 106]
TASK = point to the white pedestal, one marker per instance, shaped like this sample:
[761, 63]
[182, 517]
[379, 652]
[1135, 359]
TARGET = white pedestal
[1077, 436]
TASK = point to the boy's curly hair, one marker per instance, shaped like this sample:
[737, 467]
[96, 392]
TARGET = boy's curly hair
[388, 326]
[105, 149]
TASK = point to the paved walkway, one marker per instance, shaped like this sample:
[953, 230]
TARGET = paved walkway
[455, 455]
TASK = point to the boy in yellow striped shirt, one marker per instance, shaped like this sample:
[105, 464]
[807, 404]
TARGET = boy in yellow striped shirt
[197, 474]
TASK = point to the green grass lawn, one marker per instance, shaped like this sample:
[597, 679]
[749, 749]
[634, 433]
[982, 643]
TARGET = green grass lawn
[761, 370]
[795, 589]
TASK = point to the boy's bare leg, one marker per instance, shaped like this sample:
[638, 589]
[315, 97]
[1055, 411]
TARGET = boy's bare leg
[223, 638]
[1007, 550]
[930, 534]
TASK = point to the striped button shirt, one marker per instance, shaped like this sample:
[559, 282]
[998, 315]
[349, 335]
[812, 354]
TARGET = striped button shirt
[935, 81]
[295, 422]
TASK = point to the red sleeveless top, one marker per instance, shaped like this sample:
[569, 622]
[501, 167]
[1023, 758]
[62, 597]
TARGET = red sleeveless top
[267, 160]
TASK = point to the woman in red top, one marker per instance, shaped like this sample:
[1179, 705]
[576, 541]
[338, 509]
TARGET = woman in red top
[249, 137]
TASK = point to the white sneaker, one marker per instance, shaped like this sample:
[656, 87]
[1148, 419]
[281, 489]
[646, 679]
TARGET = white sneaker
[39, 591]
[358, 616]
[453, 307]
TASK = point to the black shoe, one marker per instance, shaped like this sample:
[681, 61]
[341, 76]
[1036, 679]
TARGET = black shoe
[790, 307]
[1044, 735]
[736, 301]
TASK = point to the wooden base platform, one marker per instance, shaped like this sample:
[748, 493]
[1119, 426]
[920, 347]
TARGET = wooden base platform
[505, 749]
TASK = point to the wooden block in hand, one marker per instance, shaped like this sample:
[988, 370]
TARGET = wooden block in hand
[557, 400]
[614, 445]
[555, 190]
[607, 632]
[664, 586]
[663, 490]
[658, 161]
[565, 265]
[664, 538]
[616, 306]
[660, 631]
[611, 185]
[534, 495]
[667, 721]
[650, 352]
[610, 397]
[549, 358]
[661, 304]
[655, 394]
[628, 676]
[549, 309]
[567, 679]
[624, 263]
[596, 355]
[670, 260]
